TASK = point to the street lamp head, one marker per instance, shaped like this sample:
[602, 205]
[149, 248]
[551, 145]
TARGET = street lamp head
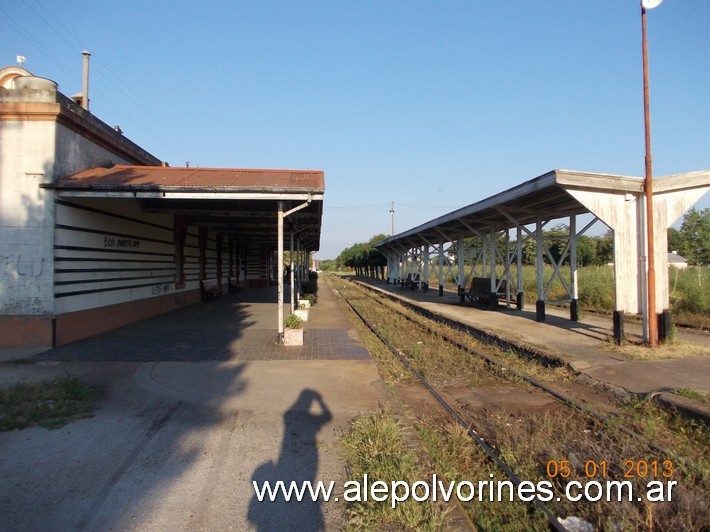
[650, 4]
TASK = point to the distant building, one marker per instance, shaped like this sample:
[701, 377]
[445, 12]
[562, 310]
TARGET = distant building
[95, 232]
[676, 261]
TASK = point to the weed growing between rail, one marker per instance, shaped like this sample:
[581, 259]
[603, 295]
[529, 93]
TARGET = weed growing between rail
[49, 404]
[529, 439]
[375, 447]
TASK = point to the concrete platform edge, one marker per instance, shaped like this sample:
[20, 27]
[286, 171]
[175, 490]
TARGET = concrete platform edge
[688, 408]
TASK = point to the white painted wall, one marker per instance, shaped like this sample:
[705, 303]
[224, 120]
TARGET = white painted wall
[34, 152]
[108, 251]
[26, 217]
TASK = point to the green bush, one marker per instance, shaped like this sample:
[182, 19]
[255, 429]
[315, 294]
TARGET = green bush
[293, 322]
[689, 290]
[596, 287]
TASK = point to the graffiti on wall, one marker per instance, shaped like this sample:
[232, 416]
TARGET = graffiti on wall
[17, 266]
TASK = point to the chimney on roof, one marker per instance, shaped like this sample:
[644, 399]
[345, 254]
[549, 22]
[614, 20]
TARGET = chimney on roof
[85, 80]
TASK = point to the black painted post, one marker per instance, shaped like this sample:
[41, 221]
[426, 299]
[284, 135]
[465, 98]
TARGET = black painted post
[665, 325]
[540, 310]
[574, 310]
[520, 301]
[493, 302]
[618, 327]
[441, 290]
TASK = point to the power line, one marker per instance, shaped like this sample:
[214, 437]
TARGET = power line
[65, 34]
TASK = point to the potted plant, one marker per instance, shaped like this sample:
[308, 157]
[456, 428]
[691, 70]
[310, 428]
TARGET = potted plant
[293, 330]
[302, 312]
[307, 301]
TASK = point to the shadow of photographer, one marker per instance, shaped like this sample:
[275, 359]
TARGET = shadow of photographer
[297, 463]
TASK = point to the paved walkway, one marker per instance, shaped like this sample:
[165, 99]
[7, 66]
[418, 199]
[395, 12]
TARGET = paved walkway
[586, 345]
[195, 405]
[238, 326]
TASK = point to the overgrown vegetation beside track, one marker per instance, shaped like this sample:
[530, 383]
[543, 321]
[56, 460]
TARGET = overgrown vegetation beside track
[529, 438]
[374, 446]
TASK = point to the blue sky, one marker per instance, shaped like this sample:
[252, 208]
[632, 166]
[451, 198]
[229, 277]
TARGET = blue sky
[433, 105]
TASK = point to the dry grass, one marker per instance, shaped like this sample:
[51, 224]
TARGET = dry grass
[669, 350]
[375, 447]
[49, 404]
[528, 439]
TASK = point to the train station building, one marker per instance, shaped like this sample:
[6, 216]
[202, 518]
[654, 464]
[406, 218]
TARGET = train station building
[96, 232]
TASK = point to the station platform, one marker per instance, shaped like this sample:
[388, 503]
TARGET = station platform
[585, 346]
[237, 326]
[194, 406]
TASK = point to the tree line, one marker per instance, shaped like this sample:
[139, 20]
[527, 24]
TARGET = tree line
[692, 241]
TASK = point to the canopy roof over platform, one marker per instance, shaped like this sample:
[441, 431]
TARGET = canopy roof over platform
[551, 194]
[235, 200]
[618, 201]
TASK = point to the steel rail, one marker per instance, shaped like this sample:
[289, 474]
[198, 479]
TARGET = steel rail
[554, 521]
[529, 380]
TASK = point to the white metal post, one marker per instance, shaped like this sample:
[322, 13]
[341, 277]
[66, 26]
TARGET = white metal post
[492, 258]
[574, 305]
[519, 251]
[426, 266]
[292, 276]
[280, 269]
[462, 260]
[540, 243]
[441, 268]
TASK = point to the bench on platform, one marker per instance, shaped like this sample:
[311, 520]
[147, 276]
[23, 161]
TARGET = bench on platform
[480, 292]
[412, 282]
[211, 289]
[234, 285]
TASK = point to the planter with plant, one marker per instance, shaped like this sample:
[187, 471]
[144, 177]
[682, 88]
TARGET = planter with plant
[301, 312]
[307, 300]
[293, 330]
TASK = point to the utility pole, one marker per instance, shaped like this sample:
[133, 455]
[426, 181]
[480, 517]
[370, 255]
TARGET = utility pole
[392, 213]
[648, 184]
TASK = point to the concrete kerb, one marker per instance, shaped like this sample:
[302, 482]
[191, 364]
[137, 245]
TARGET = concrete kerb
[686, 407]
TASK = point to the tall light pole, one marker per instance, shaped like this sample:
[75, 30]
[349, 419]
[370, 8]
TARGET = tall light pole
[648, 183]
[392, 213]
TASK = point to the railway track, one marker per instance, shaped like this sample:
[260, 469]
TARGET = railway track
[586, 438]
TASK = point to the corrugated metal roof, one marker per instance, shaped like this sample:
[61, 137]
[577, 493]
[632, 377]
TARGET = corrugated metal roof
[122, 177]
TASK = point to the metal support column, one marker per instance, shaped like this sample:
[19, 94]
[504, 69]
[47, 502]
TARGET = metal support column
[280, 216]
[280, 269]
[441, 268]
[574, 304]
[520, 299]
[291, 275]
[461, 259]
[493, 303]
[425, 282]
[540, 243]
